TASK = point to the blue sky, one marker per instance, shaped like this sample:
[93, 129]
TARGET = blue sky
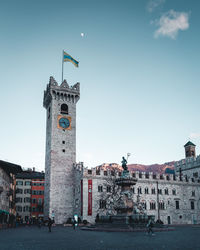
[139, 75]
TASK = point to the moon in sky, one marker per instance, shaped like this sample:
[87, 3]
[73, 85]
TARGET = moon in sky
[82, 34]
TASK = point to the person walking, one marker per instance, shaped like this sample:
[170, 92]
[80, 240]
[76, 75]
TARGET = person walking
[39, 222]
[74, 223]
[150, 226]
[49, 224]
[29, 221]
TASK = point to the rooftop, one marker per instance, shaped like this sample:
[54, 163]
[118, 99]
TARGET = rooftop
[189, 143]
[30, 175]
[10, 167]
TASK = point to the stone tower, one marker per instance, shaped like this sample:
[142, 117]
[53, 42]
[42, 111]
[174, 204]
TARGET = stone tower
[190, 149]
[60, 103]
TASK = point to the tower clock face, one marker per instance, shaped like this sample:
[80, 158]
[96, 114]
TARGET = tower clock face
[64, 122]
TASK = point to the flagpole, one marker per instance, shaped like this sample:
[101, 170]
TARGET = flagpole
[62, 64]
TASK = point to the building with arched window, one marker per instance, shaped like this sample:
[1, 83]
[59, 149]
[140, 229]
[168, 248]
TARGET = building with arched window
[171, 199]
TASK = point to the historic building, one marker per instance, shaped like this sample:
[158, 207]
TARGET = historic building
[72, 189]
[37, 196]
[60, 103]
[170, 198]
[29, 194]
[189, 167]
[7, 191]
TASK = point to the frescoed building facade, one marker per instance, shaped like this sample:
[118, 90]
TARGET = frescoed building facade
[29, 194]
[37, 196]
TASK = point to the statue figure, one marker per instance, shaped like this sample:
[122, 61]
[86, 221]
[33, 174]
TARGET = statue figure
[124, 164]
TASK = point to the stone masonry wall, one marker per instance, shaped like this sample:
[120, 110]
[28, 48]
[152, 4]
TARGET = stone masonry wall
[181, 191]
[4, 185]
[190, 167]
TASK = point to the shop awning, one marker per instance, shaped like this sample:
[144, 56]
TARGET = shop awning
[3, 211]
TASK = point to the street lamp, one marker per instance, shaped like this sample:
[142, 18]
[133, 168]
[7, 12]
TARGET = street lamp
[128, 154]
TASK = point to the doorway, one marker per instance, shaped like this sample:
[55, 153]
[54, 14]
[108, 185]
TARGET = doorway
[168, 220]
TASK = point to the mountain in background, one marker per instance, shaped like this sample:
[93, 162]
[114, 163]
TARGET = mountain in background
[167, 167]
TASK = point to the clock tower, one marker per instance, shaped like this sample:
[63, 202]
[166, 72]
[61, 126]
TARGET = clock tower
[60, 103]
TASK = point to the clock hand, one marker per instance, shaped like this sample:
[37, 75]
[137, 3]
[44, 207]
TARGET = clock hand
[62, 123]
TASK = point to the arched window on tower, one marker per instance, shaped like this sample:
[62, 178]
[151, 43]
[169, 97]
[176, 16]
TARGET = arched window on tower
[64, 109]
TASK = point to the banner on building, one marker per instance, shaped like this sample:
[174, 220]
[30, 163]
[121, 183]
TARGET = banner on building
[89, 197]
[81, 197]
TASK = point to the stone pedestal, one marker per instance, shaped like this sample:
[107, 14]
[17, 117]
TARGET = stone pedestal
[124, 206]
[126, 216]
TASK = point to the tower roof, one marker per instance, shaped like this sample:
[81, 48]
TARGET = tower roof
[189, 143]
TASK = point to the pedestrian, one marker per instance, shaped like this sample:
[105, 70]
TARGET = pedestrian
[29, 221]
[150, 226]
[39, 222]
[74, 223]
[49, 224]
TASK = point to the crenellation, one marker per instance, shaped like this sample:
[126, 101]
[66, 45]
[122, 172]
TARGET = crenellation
[64, 84]
[58, 92]
[78, 167]
[52, 82]
[189, 169]
[141, 176]
[187, 163]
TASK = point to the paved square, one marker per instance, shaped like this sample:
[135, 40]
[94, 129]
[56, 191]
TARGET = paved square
[66, 238]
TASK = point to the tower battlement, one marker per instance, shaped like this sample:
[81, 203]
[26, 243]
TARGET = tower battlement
[61, 92]
[187, 163]
[78, 167]
[142, 177]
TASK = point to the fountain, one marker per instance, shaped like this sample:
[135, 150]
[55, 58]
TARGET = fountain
[129, 215]
[126, 212]
[124, 205]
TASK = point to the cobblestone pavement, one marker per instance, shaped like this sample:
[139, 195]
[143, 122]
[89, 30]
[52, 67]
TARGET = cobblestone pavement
[67, 238]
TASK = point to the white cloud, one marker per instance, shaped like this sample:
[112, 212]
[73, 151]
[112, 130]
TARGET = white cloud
[194, 135]
[171, 22]
[153, 4]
